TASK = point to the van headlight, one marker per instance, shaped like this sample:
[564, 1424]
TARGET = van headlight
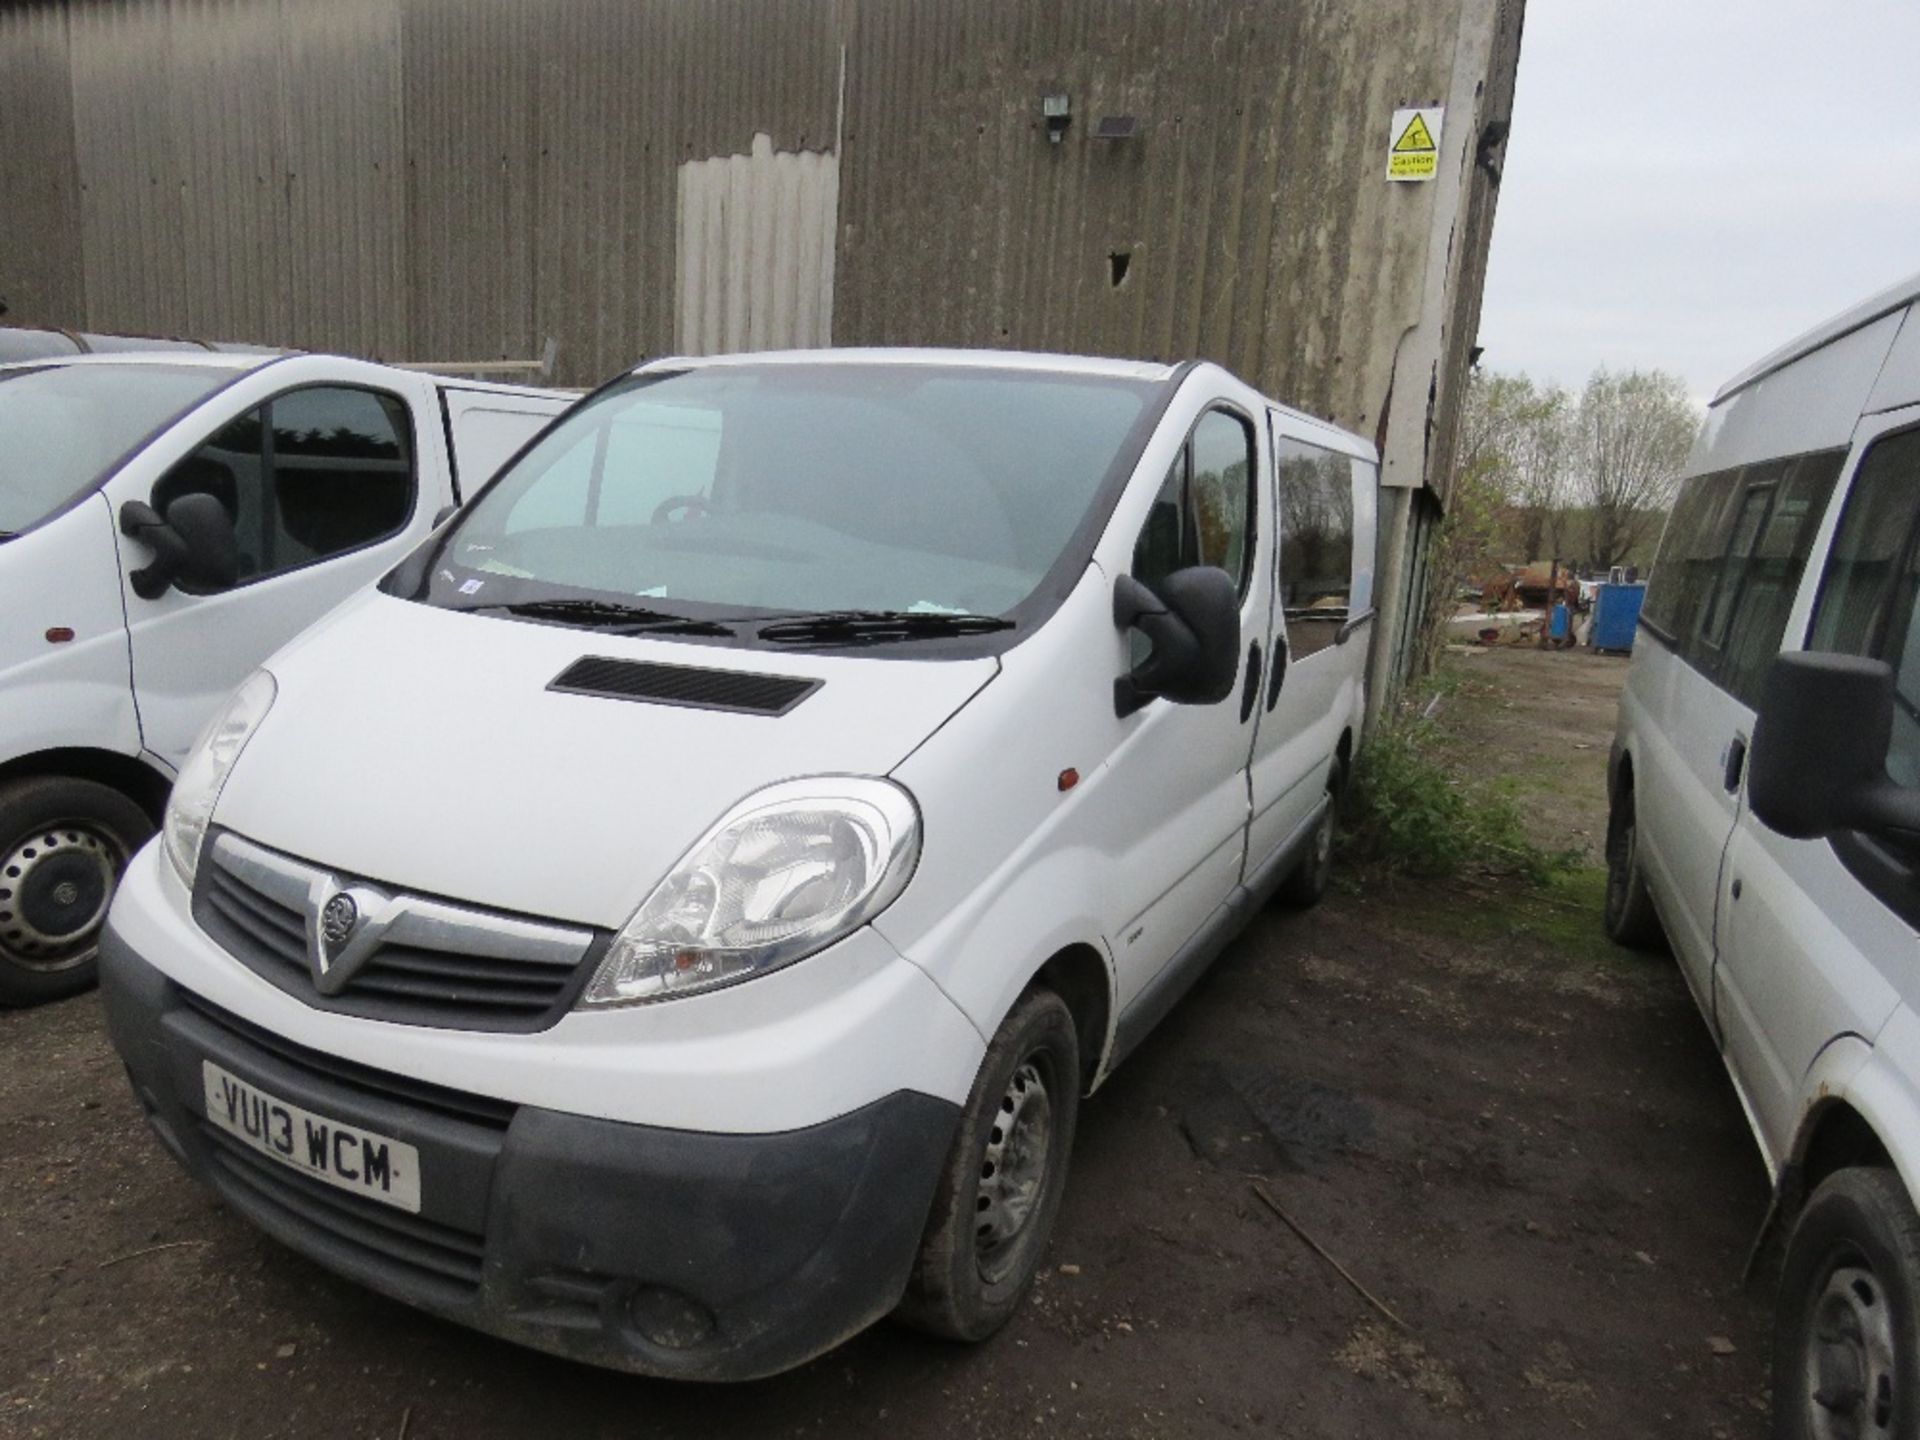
[785, 873]
[197, 790]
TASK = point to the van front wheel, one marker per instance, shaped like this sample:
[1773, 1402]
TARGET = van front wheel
[63, 845]
[995, 1206]
[1847, 1334]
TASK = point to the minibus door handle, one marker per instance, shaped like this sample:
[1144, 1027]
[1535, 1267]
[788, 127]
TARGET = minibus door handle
[1250, 692]
[1736, 764]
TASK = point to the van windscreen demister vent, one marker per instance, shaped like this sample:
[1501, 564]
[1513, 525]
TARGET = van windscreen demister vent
[688, 685]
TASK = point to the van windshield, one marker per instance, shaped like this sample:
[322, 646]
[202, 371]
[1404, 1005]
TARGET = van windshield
[63, 428]
[752, 492]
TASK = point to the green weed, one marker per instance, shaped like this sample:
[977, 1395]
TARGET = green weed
[1407, 812]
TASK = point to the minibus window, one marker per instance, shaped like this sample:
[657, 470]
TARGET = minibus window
[1872, 580]
[1759, 615]
[1875, 531]
[1726, 589]
[1692, 551]
[317, 472]
[1316, 542]
[1223, 501]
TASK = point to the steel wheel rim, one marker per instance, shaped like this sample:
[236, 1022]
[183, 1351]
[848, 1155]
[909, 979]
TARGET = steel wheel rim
[1013, 1171]
[1848, 1358]
[56, 882]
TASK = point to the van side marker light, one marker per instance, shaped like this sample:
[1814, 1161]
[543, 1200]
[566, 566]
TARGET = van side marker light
[59, 635]
[1069, 778]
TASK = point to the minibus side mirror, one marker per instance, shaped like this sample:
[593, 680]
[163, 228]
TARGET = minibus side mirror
[1193, 619]
[1818, 762]
[194, 545]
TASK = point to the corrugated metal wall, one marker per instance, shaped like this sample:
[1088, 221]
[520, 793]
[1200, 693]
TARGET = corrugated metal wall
[459, 179]
[755, 251]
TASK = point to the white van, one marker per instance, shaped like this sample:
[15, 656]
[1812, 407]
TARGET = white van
[1766, 817]
[167, 521]
[671, 921]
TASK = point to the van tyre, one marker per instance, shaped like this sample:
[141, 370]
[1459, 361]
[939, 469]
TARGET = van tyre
[1310, 879]
[1846, 1356]
[1629, 915]
[1004, 1178]
[63, 846]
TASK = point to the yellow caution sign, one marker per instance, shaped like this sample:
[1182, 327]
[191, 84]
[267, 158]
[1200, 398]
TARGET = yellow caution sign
[1413, 144]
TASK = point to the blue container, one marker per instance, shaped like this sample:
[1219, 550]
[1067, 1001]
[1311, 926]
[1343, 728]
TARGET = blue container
[1616, 616]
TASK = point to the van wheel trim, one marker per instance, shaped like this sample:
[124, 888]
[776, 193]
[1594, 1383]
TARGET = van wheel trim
[55, 885]
[1848, 1357]
[1013, 1170]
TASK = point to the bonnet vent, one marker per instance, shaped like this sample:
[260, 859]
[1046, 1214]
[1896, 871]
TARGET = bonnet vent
[683, 685]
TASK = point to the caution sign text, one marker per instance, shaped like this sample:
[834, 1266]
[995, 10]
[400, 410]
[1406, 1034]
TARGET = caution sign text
[1413, 144]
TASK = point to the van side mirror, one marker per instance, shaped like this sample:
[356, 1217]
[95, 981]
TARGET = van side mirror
[194, 545]
[1193, 619]
[1818, 762]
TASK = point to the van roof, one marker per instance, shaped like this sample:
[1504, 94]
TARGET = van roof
[199, 359]
[916, 355]
[253, 359]
[1895, 297]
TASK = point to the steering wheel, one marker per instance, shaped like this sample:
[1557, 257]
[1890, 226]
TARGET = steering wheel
[690, 503]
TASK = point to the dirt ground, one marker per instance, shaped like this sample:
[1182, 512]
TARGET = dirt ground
[1516, 1138]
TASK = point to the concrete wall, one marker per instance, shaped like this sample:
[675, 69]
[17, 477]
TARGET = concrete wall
[458, 180]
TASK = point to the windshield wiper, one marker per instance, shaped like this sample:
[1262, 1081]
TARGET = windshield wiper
[875, 627]
[608, 615]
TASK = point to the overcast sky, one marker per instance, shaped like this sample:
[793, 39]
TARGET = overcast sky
[1690, 183]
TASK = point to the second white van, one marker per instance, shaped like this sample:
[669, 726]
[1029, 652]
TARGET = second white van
[168, 519]
[673, 919]
[1766, 823]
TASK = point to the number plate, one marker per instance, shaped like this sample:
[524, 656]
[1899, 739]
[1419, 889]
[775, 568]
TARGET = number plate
[343, 1156]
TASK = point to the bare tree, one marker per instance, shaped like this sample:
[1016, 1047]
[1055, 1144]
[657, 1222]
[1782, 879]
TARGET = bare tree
[1521, 439]
[1483, 470]
[1635, 429]
[1544, 450]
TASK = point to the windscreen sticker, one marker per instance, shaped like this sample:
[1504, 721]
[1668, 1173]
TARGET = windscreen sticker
[471, 587]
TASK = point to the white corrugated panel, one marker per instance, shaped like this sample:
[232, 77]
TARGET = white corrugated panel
[755, 251]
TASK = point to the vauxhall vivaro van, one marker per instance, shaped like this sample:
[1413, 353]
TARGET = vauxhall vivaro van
[168, 519]
[1766, 823]
[673, 918]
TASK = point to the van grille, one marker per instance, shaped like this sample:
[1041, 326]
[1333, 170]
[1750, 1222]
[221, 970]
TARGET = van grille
[687, 685]
[363, 1080]
[446, 965]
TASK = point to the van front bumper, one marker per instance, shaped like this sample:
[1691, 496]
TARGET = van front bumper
[659, 1251]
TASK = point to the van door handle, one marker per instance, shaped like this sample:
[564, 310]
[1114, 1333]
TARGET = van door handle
[1736, 764]
[1279, 675]
[1250, 692]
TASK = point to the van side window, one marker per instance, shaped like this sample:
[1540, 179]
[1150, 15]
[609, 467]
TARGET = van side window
[1758, 620]
[1687, 567]
[1730, 564]
[1222, 489]
[1316, 542]
[1203, 514]
[312, 474]
[1872, 580]
[1874, 533]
